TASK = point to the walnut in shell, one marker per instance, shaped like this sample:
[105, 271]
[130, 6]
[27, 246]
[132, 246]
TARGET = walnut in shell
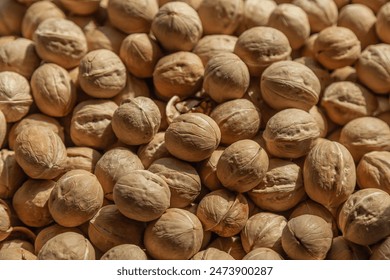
[11, 174]
[210, 45]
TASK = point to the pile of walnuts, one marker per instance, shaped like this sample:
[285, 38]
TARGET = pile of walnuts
[194, 129]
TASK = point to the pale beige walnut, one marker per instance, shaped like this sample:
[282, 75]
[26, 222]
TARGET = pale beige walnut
[125, 252]
[226, 77]
[91, 123]
[82, 158]
[344, 101]
[291, 133]
[60, 41]
[84, 7]
[293, 22]
[75, 198]
[177, 27]
[256, 13]
[373, 171]
[329, 174]
[15, 96]
[182, 179]
[102, 74]
[310, 207]
[208, 171]
[136, 121]
[242, 166]
[381, 250]
[373, 68]
[307, 237]
[17, 243]
[374, 5]
[11, 16]
[67, 246]
[11, 174]
[281, 188]
[141, 195]
[132, 16]
[154, 150]
[30, 202]
[261, 46]
[53, 90]
[104, 37]
[210, 45]
[192, 137]
[114, 164]
[221, 16]
[5, 220]
[179, 73]
[16, 254]
[321, 13]
[109, 228]
[383, 23]
[36, 13]
[289, 84]
[176, 235]
[361, 20]
[343, 249]
[318, 113]
[365, 134]
[212, 254]
[364, 217]
[34, 120]
[223, 212]
[337, 47]
[134, 87]
[263, 254]
[347, 73]
[19, 56]
[140, 53]
[263, 230]
[231, 245]
[40, 152]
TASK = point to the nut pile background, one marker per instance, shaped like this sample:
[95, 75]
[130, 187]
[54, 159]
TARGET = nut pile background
[196, 129]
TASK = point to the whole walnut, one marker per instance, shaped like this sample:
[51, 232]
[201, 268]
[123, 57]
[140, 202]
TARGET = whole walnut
[363, 218]
[16, 254]
[182, 179]
[40, 152]
[307, 237]
[192, 137]
[329, 174]
[109, 228]
[102, 74]
[82, 158]
[104, 37]
[67, 246]
[373, 68]
[291, 133]
[373, 171]
[15, 96]
[132, 16]
[125, 252]
[177, 27]
[256, 13]
[75, 198]
[136, 121]
[383, 23]
[60, 41]
[226, 77]
[223, 212]
[365, 134]
[179, 73]
[30, 202]
[210, 45]
[261, 46]
[289, 84]
[114, 164]
[293, 22]
[242, 165]
[220, 16]
[263, 254]
[343, 249]
[212, 254]
[263, 230]
[53, 90]
[176, 235]
[5, 220]
[281, 188]
[12, 175]
[344, 101]
[337, 47]
[141, 195]
[154, 150]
